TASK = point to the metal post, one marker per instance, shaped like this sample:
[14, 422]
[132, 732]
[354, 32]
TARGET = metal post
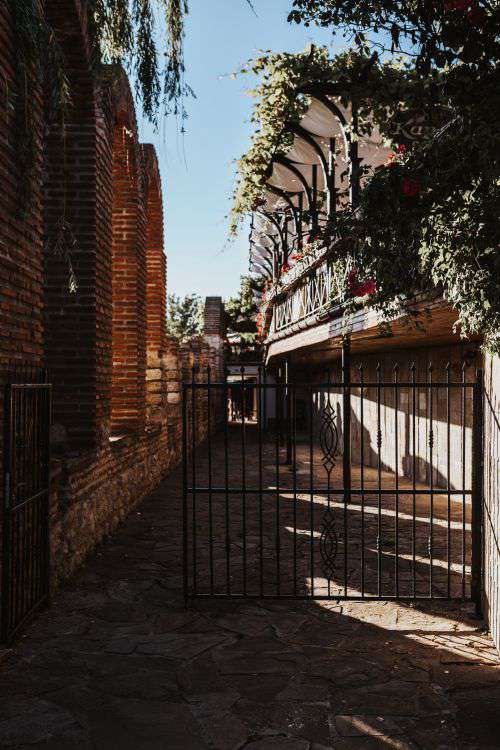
[346, 399]
[331, 203]
[314, 195]
[184, 497]
[300, 198]
[288, 413]
[477, 491]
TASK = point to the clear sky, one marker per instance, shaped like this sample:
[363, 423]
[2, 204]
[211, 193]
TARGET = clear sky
[198, 168]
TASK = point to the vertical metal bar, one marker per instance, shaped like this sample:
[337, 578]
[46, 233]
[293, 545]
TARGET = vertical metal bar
[329, 472]
[346, 458]
[265, 400]
[431, 485]
[184, 496]
[288, 414]
[226, 488]
[6, 602]
[448, 483]
[477, 491]
[262, 397]
[279, 397]
[243, 478]
[311, 484]
[379, 484]
[47, 480]
[300, 239]
[362, 470]
[331, 207]
[210, 498]
[396, 449]
[314, 195]
[294, 480]
[414, 480]
[193, 475]
[464, 514]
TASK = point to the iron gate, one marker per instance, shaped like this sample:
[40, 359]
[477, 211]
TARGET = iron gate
[361, 486]
[25, 522]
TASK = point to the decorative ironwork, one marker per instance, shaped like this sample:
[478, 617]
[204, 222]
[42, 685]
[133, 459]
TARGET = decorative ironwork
[329, 438]
[328, 544]
[254, 523]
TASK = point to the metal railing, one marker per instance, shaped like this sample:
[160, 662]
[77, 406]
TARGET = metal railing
[315, 293]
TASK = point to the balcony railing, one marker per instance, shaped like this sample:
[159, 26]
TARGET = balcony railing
[315, 293]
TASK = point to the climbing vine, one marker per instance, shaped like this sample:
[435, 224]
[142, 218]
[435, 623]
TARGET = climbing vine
[385, 93]
[120, 31]
[427, 219]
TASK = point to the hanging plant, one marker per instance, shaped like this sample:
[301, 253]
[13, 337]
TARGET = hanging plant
[384, 93]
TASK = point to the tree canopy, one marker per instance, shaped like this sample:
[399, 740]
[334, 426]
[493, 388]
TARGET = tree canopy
[184, 315]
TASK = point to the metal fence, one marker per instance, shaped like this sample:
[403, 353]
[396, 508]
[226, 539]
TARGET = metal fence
[25, 518]
[339, 490]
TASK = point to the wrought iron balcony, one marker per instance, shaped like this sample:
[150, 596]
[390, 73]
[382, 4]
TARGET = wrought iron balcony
[306, 301]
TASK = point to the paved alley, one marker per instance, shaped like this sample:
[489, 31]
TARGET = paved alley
[118, 663]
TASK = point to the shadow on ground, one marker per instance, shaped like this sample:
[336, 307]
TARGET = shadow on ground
[118, 663]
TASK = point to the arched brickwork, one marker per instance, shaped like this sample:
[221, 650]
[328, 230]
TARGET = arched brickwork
[128, 389]
[71, 246]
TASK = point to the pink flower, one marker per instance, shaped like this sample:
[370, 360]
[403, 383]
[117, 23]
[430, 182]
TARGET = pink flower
[411, 187]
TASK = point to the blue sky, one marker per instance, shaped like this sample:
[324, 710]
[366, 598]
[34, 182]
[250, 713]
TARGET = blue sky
[198, 168]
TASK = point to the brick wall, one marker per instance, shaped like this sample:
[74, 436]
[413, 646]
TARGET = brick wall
[96, 218]
[21, 261]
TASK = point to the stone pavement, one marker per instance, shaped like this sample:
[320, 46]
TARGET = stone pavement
[118, 663]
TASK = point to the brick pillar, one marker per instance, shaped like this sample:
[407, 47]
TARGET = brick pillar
[128, 393]
[71, 246]
[156, 292]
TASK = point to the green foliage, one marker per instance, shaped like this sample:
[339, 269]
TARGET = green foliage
[121, 31]
[242, 309]
[434, 34]
[385, 93]
[429, 220]
[184, 315]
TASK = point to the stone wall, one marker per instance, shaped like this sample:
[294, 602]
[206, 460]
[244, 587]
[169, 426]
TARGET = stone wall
[491, 520]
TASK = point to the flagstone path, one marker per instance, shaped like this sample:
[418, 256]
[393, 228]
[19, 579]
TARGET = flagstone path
[118, 663]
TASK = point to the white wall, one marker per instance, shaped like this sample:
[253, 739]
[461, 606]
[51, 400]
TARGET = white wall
[492, 497]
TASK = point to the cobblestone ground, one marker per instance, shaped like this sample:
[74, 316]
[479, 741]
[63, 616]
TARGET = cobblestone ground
[118, 663]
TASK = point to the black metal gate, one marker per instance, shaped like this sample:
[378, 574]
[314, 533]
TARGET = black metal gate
[360, 486]
[25, 517]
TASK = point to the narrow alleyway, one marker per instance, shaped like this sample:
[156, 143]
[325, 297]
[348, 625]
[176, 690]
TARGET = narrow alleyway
[118, 663]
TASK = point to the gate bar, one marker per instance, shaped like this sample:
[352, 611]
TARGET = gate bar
[477, 496]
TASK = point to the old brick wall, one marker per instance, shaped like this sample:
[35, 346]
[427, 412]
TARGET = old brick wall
[21, 260]
[83, 275]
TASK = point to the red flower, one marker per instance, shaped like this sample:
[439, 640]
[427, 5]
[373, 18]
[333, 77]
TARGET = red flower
[312, 238]
[360, 289]
[411, 187]
[456, 5]
[285, 267]
[475, 15]
[401, 149]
